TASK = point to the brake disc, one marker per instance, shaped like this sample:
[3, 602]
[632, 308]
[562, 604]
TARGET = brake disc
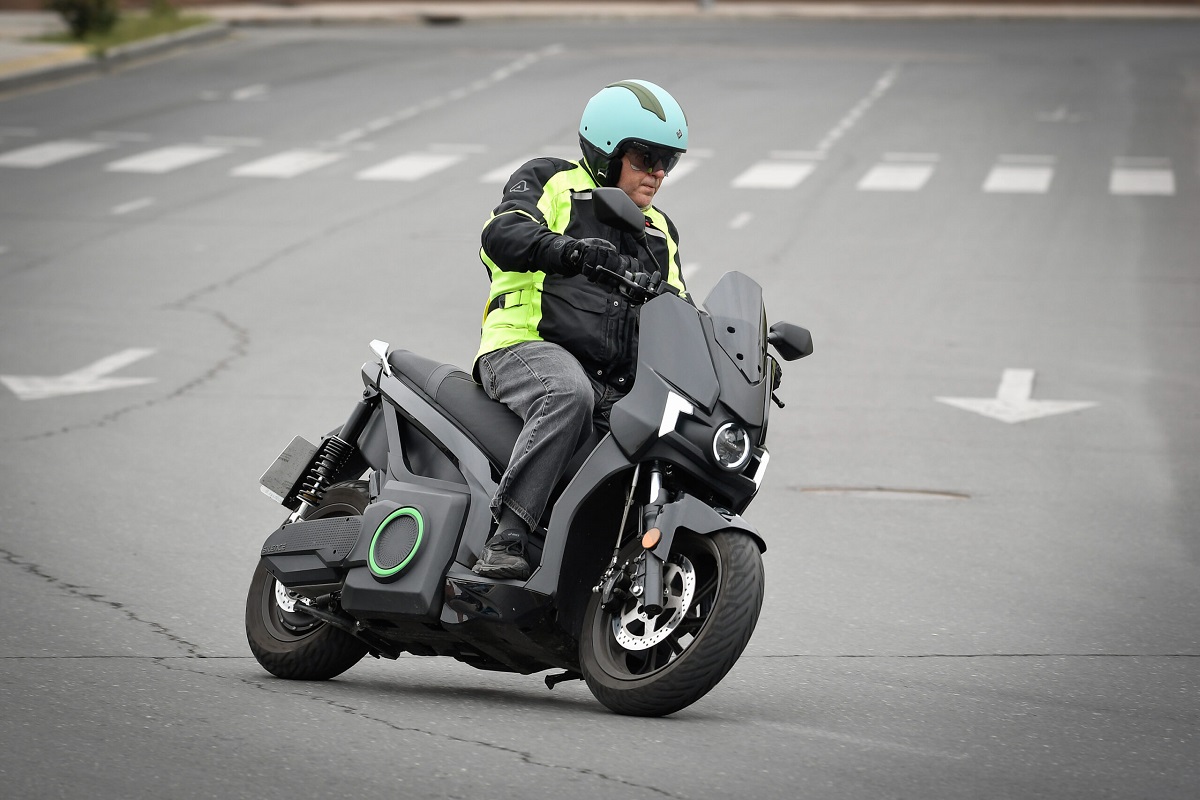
[285, 598]
[634, 630]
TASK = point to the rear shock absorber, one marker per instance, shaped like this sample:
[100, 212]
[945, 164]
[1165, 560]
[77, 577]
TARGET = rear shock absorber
[330, 457]
[335, 452]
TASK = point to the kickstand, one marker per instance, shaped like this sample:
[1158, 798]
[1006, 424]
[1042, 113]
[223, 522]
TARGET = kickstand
[554, 680]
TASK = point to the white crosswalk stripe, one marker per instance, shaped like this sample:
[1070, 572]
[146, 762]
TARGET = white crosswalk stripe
[49, 153]
[410, 167]
[778, 170]
[503, 172]
[774, 175]
[1142, 176]
[287, 164]
[166, 159]
[896, 178]
[1018, 179]
[684, 168]
[899, 172]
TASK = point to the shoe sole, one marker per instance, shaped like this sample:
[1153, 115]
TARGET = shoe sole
[485, 571]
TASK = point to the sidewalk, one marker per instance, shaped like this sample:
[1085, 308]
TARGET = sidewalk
[25, 63]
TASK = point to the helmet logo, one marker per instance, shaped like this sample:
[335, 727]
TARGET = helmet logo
[644, 96]
[678, 133]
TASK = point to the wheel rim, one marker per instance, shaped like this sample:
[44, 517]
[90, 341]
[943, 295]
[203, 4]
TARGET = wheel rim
[633, 630]
[630, 646]
[279, 615]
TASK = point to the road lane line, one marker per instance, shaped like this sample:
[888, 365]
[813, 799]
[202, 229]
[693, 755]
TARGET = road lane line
[410, 167]
[49, 153]
[451, 95]
[855, 114]
[166, 159]
[774, 175]
[1142, 176]
[287, 164]
[1020, 174]
[895, 176]
[503, 172]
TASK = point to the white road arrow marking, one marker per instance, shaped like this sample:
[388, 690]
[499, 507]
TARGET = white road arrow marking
[1013, 402]
[91, 378]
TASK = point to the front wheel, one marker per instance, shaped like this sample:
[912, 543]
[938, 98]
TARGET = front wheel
[287, 642]
[653, 667]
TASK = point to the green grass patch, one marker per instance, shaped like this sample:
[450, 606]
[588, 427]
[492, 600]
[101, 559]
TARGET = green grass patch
[132, 27]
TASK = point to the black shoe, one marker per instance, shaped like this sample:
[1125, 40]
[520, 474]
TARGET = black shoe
[503, 557]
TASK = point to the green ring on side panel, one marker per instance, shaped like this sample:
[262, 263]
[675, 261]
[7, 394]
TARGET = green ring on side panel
[381, 572]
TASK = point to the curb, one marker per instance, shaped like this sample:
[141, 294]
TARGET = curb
[116, 57]
[448, 12]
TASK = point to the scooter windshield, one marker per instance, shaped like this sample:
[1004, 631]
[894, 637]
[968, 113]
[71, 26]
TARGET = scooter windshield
[739, 322]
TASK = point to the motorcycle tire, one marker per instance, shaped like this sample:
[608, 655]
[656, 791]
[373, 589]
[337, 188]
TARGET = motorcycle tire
[291, 644]
[636, 670]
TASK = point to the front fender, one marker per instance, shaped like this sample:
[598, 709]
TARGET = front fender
[690, 513]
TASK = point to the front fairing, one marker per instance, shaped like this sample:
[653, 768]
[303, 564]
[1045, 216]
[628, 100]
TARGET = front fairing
[697, 370]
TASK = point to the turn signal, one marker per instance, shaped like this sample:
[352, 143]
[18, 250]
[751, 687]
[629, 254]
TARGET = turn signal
[651, 538]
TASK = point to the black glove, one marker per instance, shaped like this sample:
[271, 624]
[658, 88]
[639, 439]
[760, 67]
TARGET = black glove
[574, 253]
[606, 263]
[650, 281]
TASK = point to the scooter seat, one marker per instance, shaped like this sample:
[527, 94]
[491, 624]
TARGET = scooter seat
[492, 425]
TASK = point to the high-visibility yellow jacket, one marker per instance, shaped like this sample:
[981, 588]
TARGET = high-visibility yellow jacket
[529, 301]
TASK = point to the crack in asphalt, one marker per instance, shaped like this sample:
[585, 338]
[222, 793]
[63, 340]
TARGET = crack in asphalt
[192, 650]
[525, 756]
[241, 343]
[241, 335]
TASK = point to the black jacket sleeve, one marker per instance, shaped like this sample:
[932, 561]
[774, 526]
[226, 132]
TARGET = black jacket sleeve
[517, 238]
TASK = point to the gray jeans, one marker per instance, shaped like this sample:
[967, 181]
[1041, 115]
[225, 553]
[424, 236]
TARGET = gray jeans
[561, 404]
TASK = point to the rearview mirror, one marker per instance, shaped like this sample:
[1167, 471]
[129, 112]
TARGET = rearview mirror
[614, 208]
[791, 341]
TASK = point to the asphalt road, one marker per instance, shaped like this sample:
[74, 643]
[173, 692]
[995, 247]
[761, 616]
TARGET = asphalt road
[957, 606]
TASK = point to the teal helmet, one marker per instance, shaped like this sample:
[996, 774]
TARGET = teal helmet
[631, 113]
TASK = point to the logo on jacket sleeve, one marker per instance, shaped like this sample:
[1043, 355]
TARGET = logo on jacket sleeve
[519, 186]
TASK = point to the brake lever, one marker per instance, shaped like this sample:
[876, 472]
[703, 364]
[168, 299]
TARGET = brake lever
[629, 285]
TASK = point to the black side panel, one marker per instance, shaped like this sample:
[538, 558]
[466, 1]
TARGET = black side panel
[309, 552]
[570, 518]
[405, 404]
[372, 442]
[418, 590]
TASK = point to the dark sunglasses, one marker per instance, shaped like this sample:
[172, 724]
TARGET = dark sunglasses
[651, 159]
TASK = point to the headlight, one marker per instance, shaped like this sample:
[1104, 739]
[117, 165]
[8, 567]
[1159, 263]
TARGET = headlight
[731, 446]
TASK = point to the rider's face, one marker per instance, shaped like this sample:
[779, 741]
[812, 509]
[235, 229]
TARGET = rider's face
[641, 186]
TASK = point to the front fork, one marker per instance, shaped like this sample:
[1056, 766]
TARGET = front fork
[641, 576]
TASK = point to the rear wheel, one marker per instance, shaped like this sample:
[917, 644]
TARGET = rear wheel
[287, 642]
[652, 667]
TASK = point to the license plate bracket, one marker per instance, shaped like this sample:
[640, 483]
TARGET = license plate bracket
[282, 479]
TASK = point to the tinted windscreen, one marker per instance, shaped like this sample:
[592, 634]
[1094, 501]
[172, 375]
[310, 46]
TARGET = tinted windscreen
[736, 308]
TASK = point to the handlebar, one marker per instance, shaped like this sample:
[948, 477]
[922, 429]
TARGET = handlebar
[637, 287]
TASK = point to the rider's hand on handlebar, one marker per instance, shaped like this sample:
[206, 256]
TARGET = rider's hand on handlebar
[609, 267]
[575, 253]
[598, 261]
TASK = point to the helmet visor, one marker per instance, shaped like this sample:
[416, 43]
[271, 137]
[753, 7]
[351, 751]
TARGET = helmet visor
[646, 158]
